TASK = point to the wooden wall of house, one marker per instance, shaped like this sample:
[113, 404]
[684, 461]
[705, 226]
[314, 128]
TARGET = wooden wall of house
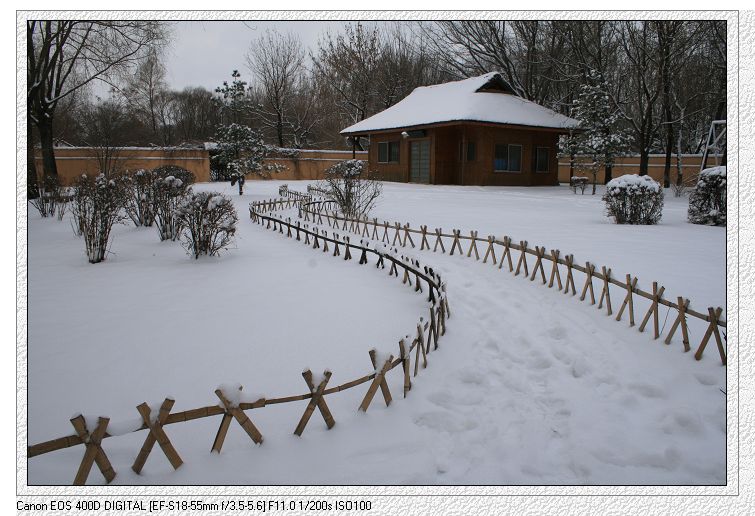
[398, 172]
[480, 170]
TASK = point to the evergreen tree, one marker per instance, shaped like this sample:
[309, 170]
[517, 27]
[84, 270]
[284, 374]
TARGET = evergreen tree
[242, 151]
[600, 137]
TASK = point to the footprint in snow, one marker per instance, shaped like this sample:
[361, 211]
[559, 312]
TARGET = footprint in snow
[647, 390]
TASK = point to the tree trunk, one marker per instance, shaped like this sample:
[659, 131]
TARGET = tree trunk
[32, 185]
[608, 174]
[279, 128]
[46, 141]
[644, 161]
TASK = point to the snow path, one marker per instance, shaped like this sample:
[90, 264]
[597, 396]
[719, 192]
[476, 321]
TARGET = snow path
[541, 391]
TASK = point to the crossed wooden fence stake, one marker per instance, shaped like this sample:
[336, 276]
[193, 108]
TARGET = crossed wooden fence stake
[156, 435]
[233, 412]
[94, 452]
[317, 400]
[378, 381]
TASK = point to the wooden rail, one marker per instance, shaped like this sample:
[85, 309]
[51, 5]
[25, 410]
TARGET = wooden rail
[428, 333]
[397, 234]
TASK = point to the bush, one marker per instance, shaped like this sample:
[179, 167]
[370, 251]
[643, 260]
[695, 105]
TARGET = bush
[633, 199]
[49, 197]
[96, 206]
[351, 187]
[186, 177]
[167, 195]
[707, 203]
[138, 196]
[578, 183]
[209, 221]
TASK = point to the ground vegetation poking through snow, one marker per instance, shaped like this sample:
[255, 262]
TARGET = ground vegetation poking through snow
[97, 205]
[707, 203]
[209, 222]
[633, 199]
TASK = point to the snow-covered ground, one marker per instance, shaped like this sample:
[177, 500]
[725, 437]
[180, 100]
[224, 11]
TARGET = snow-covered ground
[526, 387]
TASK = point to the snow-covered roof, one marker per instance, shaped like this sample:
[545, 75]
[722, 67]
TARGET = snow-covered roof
[486, 98]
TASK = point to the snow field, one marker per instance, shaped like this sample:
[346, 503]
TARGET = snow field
[526, 387]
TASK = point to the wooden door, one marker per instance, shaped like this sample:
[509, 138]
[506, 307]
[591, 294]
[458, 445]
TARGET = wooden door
[419, 164]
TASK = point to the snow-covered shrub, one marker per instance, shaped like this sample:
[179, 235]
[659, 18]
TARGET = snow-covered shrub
[707, 203]
[96, 205]
[138, 198]
[186, 177]
[578, 183]
[351, 186]
[167, 195]
[208, 221]
[633, 199]
[49, 197]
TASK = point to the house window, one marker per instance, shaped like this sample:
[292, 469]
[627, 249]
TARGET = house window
[542, 159]
[508, 158]
[471, 151]
[388, 152]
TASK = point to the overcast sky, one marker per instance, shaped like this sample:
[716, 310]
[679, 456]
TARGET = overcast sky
[205, 53]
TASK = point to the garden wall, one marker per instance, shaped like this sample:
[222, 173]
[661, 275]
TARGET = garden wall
[74, 161]
[631, 165]
[310, 164]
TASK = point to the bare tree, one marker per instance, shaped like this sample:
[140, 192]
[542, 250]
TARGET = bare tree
[277, 61]
[347, 63]
[66, 55]
[144, 89]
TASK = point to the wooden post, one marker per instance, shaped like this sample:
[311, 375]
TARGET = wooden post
[405, 365]
[628, 302]
[713, 316]
[491, 250]
[317, 400]
[234, 412]
[378, 381]
[456, 242]
[522, 259]
[506, 253]
[681, 319]
[439, 240]
[397, 234]
[473, 246]
[424, 244]
[555, 272]
[385, 238]
[156, 435]
[540, 251]
[653, 310]
[408, 236]
[589, 270]
[606, 293]
[93, 452]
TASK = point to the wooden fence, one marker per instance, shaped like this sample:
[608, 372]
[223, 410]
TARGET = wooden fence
[507, 250]
[232, 404]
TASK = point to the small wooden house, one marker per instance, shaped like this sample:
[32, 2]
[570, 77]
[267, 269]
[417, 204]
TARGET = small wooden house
[471, 132]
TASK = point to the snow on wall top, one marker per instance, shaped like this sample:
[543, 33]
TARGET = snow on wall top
[461, 101]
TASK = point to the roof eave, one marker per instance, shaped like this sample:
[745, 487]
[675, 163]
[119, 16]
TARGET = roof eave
[367, 132]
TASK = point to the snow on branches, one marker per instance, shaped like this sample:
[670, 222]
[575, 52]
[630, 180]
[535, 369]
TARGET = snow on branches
[241, 151]
[209, 222]
[599, 138]
[351, 187]
[633, 199]
[707, 203]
